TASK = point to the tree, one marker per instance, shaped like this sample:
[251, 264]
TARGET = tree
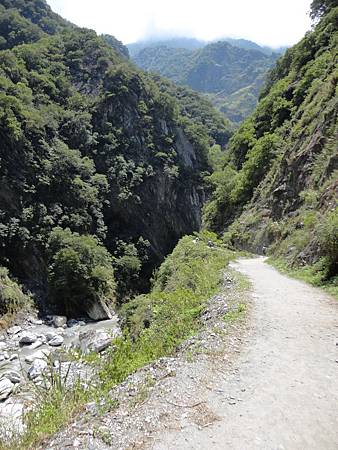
[80, 272]
[321, 7]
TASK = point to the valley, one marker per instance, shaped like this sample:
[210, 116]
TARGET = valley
[229, 73]
[168, 238]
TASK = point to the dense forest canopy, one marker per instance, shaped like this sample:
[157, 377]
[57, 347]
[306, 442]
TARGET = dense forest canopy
[93, 146]
[321, 7]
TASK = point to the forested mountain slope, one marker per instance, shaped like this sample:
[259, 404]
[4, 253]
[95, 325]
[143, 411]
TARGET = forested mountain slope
[277, 188]
[230, 75]
[90, 144]
[185, 43]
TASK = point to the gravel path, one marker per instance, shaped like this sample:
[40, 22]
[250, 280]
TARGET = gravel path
[284, 394]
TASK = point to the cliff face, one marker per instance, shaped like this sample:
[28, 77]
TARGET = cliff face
[281, 194]
[90, 143]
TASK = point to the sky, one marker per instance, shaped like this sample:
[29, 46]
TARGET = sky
[268, 22]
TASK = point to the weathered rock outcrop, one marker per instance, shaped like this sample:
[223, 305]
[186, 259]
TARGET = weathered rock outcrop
[112, 158]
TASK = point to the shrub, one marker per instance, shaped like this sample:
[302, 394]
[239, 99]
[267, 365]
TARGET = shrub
[12, 299]
[327, 234]
[80, 272]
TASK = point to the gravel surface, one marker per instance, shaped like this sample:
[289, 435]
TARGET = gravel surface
[285, 392]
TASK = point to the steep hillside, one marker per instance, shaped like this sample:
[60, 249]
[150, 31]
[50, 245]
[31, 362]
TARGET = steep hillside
[198, 110]
[89, 144]
[231, 75]
[27, 21]
[249, 45]
[277, 188]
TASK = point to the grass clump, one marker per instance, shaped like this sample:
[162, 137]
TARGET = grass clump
[57, 401]
[309, 249]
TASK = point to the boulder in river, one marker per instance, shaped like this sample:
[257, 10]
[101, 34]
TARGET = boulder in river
[59, 321]
[72, 323]
[37, 368]
[50, 335]
[13, 376]
[36, 344]
[56, 341]
[6, 388]
[27, 338]
[40, 354]
[14, 330]
[94, 341]
[4, 356]
[99, 311]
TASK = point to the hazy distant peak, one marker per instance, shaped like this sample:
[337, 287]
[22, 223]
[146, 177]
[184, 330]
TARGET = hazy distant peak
[178, 42]
[195, 44]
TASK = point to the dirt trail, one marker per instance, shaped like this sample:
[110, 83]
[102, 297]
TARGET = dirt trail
[285, 392]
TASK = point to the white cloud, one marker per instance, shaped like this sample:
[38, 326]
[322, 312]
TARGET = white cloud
[270, 22]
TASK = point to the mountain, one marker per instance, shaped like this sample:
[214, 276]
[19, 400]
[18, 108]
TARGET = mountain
[101, 165]
[179, 43]
[276, 189]
[27, 21]
[250, 45]
[231, 76]
[194, 44]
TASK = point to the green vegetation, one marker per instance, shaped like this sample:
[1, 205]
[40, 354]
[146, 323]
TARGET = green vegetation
[56, 406]
[275, 190]
[231, 74]
[91, 144]
[12, 298]
[235, 314]
[198, 110]
[314, 232]
[103, 168]
[80, 273]
[26, 21]
[155, 324]
[159, 321]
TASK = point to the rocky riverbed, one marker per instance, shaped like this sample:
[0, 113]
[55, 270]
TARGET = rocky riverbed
[34, 347]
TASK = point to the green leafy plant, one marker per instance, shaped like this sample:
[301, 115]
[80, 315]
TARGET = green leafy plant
[80, 272]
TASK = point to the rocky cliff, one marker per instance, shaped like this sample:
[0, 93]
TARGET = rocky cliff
[90, 144]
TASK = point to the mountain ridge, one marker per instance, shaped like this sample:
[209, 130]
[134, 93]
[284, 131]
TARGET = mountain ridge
[93, 145]
[193, 44]
[228, 74]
